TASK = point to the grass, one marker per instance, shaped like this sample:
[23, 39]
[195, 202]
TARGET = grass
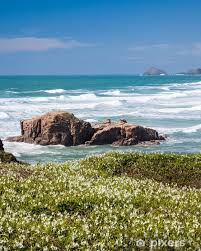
[183, 170]
[106, 202]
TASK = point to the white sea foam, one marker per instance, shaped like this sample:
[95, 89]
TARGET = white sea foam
[91, 120]
[3, 115]
[197, 83]
[18, 149]
[112, 93]
[165, 88]
[54, 91]
[14, 92]
[108, 104]
[84, 97]
[180, 109]
[190, 129]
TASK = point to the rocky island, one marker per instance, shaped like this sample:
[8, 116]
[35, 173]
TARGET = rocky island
[63, 128]
[154, 72]
[196, 71]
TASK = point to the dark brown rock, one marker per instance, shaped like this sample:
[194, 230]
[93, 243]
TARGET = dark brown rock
[1, 145]
[6, 157]
[123, 121]
[122, 133]
[126, 142]
[105, 135]
[64, 128]
[54, 128]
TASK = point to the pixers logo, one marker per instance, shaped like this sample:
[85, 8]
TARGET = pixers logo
[159, 243]
[167, 243]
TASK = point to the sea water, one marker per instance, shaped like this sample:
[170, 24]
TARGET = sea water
[169, 104]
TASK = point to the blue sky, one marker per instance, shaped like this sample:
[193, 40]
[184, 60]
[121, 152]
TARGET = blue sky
[98, 36]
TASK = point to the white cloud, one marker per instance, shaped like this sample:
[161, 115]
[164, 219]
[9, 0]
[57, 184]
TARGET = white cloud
[147, 47]
[38, 44]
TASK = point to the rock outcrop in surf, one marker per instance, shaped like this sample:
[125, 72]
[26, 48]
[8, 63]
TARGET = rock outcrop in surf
[122, 133]
[64, 128]
[154, 72]
[1, 145]
[54, 128]
[6, 157]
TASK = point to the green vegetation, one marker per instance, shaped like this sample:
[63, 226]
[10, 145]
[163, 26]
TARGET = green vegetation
[183, 170]
[105, 202]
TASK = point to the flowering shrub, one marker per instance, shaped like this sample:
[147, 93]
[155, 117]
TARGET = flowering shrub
[98, 203]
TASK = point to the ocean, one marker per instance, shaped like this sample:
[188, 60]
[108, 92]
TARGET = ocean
[169, 104]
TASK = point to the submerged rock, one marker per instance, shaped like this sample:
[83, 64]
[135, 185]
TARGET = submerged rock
[154, 72]
[54, 128]
[64, 128]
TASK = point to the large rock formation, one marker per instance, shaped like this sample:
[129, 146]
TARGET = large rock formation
[6, 157]
[64, 128]
[154, 72]
[54, 128]
[122, 133]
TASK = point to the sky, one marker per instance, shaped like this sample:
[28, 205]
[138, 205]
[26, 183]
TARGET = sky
[98, 36]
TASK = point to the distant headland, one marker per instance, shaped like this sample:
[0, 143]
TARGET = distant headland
[153, 71]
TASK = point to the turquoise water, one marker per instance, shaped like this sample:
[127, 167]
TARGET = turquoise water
[170, 104]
